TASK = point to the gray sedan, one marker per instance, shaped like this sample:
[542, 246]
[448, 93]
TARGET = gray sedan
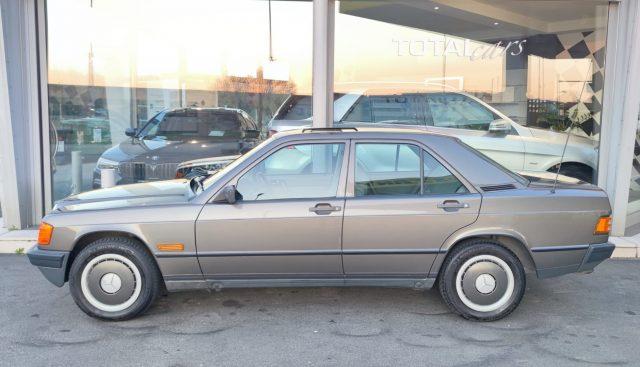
[329, 207]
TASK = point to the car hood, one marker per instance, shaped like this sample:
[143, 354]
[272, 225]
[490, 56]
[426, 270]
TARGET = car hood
[142, 194]
[561, 137]
[156, 151]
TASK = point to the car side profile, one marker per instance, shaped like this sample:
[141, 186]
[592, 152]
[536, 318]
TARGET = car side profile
[329, 207]
[459, 114]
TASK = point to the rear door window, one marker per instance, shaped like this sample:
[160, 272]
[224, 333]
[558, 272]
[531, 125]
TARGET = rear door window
[403, 109]
[387, 169]
[458, 111]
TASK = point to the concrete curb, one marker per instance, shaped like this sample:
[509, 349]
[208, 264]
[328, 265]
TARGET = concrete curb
[12, 241]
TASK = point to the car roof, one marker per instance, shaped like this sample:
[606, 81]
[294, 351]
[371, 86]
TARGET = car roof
[220, 109]
[362, 133]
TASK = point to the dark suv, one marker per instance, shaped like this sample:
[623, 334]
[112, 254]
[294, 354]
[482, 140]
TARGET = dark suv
[173, 136]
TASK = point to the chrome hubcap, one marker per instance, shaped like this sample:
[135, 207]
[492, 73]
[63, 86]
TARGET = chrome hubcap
[111, 282]
[485, 283]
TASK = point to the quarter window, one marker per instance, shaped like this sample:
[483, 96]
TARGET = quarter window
[295, 172]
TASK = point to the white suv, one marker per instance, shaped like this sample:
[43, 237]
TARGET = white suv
[486, 129]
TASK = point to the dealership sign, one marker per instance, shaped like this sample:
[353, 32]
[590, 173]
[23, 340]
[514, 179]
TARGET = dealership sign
[473, 50]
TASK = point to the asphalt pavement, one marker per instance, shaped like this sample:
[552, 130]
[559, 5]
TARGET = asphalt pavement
[573, 320]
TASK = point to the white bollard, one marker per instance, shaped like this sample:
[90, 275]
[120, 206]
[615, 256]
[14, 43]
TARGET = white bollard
[76, 172]
[107, 178]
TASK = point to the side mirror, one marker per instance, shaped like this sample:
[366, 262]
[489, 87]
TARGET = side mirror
[228, 195]
[499, 126]
[252, 134]
[131, 132]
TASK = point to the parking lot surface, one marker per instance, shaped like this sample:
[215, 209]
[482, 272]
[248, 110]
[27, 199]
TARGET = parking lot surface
[569, 321]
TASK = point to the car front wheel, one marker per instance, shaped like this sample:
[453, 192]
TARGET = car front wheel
[482, 280]
[114, 279]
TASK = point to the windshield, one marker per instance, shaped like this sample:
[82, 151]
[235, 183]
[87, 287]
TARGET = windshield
[192, 123]
[213, 178]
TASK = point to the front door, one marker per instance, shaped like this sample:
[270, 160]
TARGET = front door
[288, 222]
[402, 204]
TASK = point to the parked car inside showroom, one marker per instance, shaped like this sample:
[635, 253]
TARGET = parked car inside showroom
[465, 116]
[173, 136]
[329, 207]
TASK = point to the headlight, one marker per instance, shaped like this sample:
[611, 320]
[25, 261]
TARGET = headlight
[107, 163]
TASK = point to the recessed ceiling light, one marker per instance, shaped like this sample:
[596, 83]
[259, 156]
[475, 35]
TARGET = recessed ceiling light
[496, 23]
[436, 8]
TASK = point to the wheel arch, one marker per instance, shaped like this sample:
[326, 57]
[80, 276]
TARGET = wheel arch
[512, 241]
[85, 239]
[570, 163]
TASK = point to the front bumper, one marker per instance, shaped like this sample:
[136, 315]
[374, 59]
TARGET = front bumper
[52, 264]
[556, 261]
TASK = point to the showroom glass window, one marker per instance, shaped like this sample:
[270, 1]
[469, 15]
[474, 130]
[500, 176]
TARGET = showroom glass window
[509, 78]
[198, 79]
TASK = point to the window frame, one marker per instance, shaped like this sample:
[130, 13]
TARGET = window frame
[351, 182]
[340, 192]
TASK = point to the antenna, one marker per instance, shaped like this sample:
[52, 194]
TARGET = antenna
[566, 142]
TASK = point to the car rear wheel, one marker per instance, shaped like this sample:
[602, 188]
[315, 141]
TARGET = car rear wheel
[114, 279]
[482, 281]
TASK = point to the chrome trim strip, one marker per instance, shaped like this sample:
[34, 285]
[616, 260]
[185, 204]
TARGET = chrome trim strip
[559, 248]
[302, 253]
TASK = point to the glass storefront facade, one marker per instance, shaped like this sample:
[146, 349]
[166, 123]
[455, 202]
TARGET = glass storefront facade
[197, 79]
[633, 208]
[511, 87]
[137, 88]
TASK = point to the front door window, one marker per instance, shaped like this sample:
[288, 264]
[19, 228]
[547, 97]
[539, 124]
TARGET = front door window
[300, 171]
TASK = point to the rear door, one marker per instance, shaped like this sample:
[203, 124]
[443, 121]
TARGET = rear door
[402, 203]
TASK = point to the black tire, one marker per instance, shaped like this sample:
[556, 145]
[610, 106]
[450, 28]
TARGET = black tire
[462, 255]
[151, 284]
[578, 171]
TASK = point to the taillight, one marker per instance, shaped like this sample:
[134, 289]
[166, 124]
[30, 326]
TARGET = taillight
[44, 234]
[179, 174]
[603, 226]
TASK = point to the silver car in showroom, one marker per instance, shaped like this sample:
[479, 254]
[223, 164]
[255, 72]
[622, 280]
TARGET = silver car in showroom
[483, 127]
[329, 207]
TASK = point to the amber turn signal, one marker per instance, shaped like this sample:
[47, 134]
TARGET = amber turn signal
[44, 234]
[170, 247]
[603, 226]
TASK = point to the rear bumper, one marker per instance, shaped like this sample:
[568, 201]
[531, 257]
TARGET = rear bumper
[52, 264]
[556, 261]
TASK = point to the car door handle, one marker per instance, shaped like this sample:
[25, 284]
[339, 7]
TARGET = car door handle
[452, 204]
[324, 208]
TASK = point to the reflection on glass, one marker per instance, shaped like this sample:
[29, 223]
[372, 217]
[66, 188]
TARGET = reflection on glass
[510, 83]
[197, 79]
[633, 208]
